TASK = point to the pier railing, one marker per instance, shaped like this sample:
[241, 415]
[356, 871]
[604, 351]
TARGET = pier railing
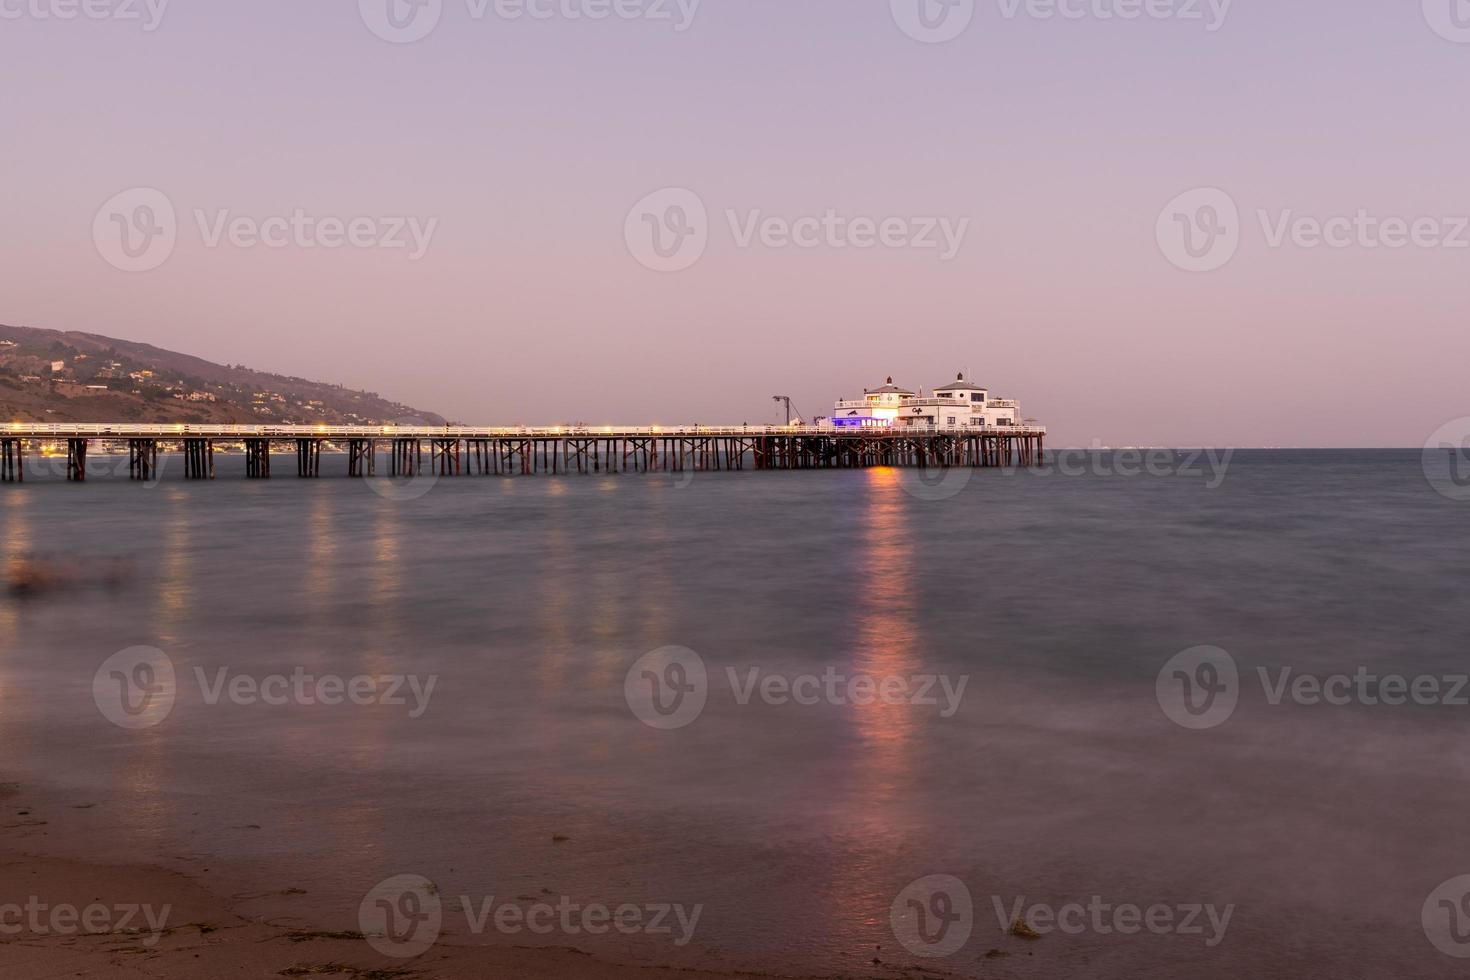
[125, 430]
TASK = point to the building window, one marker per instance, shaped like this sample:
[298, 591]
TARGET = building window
[978, 396]
[951, 420]
[977, 421]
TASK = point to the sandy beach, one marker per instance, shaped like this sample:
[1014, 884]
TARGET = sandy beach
[149, 921]
[207, 931]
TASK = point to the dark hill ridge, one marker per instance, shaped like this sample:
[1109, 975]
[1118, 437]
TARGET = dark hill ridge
[68, 376]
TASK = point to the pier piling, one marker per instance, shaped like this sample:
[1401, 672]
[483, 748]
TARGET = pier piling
[459, 451]
[199, 459]
[142, 459]
[257, 459]
[76, 460]
[12, 461]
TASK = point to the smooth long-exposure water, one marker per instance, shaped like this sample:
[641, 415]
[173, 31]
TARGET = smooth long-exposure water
[1055, 775]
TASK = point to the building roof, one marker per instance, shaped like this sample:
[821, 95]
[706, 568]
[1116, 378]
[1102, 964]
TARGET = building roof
[962, 385]
[888, 389]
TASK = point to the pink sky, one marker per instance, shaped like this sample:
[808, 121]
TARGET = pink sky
[528, 141]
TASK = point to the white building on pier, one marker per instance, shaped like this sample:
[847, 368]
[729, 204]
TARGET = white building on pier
[961, 404]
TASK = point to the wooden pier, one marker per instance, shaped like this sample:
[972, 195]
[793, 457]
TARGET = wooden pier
[469, 451]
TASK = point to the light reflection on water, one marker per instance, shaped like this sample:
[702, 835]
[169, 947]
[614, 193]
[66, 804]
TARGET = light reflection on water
[795, 826]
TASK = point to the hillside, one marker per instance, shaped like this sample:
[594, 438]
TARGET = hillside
[56, 376]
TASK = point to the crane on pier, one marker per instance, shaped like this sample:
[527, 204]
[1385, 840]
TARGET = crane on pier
[790, 419]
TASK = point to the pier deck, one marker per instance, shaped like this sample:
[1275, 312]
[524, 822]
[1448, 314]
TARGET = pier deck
[481, 451]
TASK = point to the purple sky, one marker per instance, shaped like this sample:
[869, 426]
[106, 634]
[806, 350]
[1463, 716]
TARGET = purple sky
[1059, 140]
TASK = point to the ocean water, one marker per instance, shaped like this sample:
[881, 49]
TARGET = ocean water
[1042, 611]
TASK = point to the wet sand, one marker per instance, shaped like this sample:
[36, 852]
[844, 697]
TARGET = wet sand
[211, 931]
